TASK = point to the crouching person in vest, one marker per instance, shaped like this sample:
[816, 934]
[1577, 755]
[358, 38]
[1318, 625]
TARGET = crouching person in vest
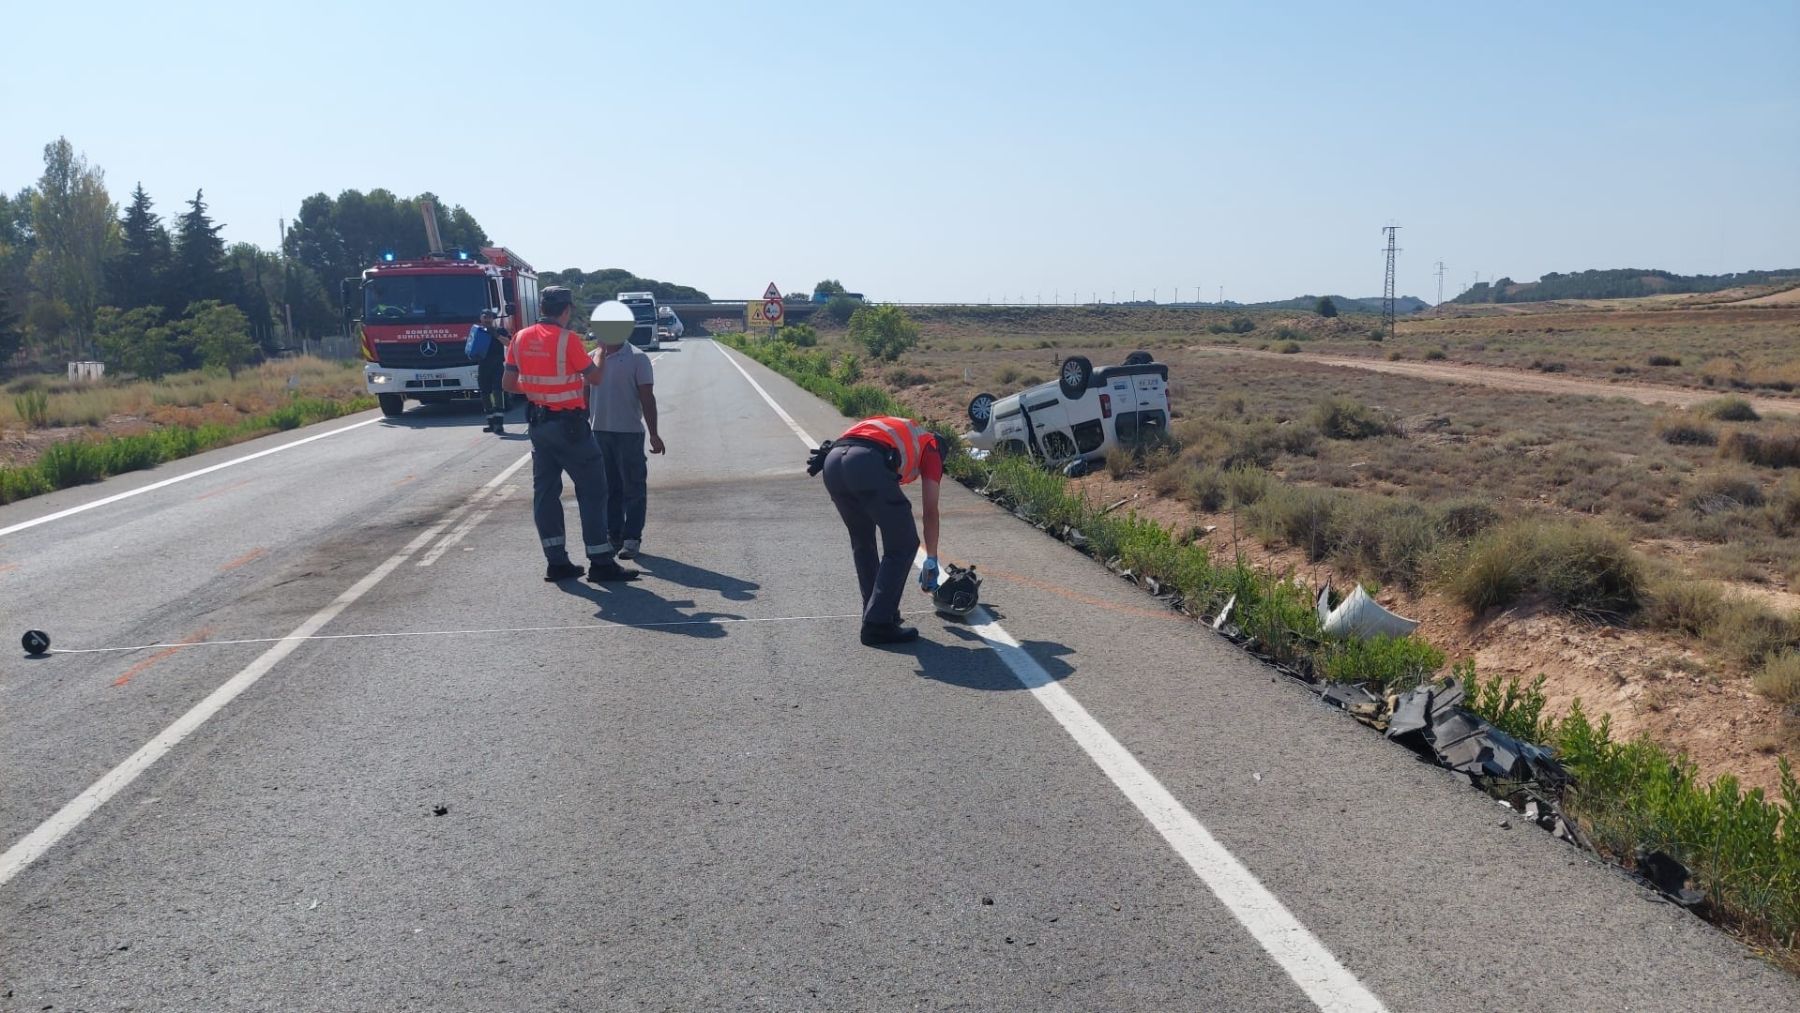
[864, 470]
[548, 364]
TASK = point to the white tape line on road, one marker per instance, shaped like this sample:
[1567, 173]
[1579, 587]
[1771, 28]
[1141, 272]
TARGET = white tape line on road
[1295, 949]
[33, 845]
[479, 631]
[152, 487]
[462, 530]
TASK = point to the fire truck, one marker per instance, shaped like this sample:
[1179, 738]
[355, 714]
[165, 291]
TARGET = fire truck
[416, 315]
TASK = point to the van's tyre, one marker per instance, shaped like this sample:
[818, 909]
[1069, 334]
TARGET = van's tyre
[981, 411]
[1073, 376]
[391, 404]
[1139, 358]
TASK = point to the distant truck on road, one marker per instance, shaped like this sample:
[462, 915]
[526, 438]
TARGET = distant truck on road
[416, 315]
[643, 308]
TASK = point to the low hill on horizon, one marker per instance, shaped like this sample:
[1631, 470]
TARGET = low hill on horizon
[1620, 283]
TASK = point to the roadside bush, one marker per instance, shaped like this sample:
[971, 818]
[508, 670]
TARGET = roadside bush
[1549, 367]
[863, 401]
[1300, 516]
[1435, 354]
[1288, 347]
[847, 370]
[71, 462]
[1466, 518]
[1342, 418]
[1728, 409]
[798, 335]
[1204, 488]
[1779, 679]
[1684, 431]
[1686, 606]
[1580, 568]
[1783, 510]
[1722, 491]
[1230, 444]
[1286, 333]
[33, 407]
[1009, 374]
[1774, 450]
[1388, 539]
[1663, 360]
[1514, 709]
[841, 308]
[901, 376]
[1395, 663]
[1246, 485]
[885, 332]
[1749, 632]
[1238, 325]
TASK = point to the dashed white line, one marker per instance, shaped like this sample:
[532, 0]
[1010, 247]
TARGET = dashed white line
[32, 846]
[1289, 943]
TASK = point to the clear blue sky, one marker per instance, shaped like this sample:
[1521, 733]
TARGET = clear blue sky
[928, 151]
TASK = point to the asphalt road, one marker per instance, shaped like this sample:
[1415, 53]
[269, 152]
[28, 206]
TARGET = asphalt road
[472, 790]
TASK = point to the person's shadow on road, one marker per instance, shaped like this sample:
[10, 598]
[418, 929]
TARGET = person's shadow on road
[978, 667]
[641, 608]
[698, 577]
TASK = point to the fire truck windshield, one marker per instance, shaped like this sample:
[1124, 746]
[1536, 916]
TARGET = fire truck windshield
[425, 299]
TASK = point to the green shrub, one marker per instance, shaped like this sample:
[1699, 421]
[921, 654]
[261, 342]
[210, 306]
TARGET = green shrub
[1435, 354]
[1664, 360]
[847, 370]
[1467, 517]
[1728, 409]
[1245, 484]
[1749, 632]
[1286, 333]
[1773, 450]
[1580, 568]
[1514, 709]
[1722, 491]
[1683, 431]
[1687, 606]
[798, 335]
[1342, 418]
[1288, 347]
[1783, 509]
[901, 376]
[33, 407]
[885, 332]
[1779, 679]
[841, 308]
[1397, 663]
[1204, 487]
[71, 462]
[1390, 540]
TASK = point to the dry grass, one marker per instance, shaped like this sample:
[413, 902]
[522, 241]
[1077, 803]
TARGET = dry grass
[251, 391]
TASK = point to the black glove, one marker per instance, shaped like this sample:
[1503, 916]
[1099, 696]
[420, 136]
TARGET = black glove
[816, 460]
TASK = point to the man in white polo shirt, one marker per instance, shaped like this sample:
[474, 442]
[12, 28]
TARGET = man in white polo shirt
[622, 410]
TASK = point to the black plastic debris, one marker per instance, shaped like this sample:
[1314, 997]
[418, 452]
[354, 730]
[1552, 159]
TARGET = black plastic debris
[1662, 871]
[1362, 704]
[1429, 720]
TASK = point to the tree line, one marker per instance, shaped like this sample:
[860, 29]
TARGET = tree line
[80, 278]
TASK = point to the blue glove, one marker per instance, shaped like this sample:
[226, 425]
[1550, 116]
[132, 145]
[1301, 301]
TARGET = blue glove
[928, 575]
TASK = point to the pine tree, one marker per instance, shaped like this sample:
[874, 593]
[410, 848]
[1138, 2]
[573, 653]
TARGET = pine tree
[10, 335]
[199, 268]
[140, 272]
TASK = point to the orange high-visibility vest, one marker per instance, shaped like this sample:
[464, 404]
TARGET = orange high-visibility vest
[543, 353]
[904, 435]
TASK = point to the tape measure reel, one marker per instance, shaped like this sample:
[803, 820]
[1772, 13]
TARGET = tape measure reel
[959, 592]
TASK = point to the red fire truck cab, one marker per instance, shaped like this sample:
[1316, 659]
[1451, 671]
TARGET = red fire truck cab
[416, 315]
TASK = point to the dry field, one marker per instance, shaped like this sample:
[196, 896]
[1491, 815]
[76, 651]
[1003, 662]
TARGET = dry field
[1705, 498]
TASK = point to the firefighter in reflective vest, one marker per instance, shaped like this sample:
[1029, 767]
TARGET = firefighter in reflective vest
[864, 470]
[549, 364]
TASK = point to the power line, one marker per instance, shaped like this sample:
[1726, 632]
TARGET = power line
[1440, 267]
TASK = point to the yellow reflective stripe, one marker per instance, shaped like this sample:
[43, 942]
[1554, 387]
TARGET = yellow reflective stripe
[561, 395]
[907, 444]
[551, 381]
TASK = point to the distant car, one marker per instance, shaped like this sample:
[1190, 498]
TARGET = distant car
[669, 326]
[1080, 417]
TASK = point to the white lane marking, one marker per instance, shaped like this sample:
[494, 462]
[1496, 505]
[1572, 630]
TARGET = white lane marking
[720, 621]
[152, 487]
[33, 845]
[785, 417]
[462, 530]
[1306, 960]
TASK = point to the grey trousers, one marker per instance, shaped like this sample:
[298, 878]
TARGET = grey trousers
[868, 498]
[563, 442]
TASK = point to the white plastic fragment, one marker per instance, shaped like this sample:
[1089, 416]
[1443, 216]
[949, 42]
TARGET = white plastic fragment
[1362, 616]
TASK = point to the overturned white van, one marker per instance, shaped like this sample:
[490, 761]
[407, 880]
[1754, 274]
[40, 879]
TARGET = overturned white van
[1085, 414]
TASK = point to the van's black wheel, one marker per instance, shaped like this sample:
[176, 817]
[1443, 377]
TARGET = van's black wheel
[391, 404]
[1074, 375]
[1139, 358]
[981, 411]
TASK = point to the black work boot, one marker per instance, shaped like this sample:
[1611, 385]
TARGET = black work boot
[561, 571]
[604, 570]
[877, 634]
